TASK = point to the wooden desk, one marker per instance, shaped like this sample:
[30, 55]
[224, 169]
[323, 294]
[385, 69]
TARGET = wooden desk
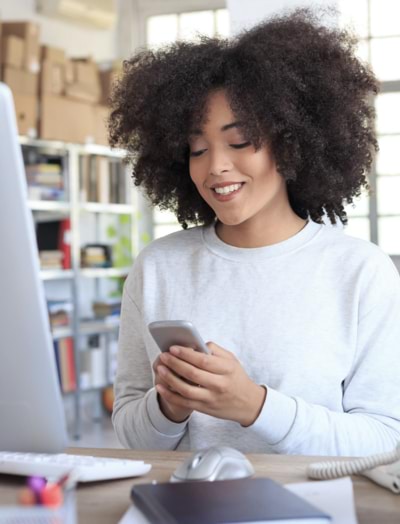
[105, 503]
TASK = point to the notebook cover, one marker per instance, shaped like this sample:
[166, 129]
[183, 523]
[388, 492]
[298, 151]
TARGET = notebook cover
[223, 501]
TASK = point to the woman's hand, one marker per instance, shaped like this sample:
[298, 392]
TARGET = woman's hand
[214, 384]
[174, 413]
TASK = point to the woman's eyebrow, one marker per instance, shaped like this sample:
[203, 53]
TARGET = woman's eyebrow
[197, 132]
[229, 126]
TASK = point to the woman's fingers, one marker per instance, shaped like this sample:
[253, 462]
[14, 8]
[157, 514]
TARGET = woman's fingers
[220, 351]
[214, 363]
[188, 372]
[181, 387]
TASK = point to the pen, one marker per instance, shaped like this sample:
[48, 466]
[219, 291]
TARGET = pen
[43, 492]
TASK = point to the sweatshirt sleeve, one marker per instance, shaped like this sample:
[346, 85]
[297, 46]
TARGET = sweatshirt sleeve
[137, 418]
[370, 421]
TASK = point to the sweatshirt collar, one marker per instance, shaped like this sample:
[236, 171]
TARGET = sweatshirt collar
[217, 246]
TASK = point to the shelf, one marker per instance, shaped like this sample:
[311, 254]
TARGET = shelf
[61, 332]
[90, 389]
[49, 205]
[96, 388]
[100, 272]
[56, 274]
[97, 327]
[86, 328]
[88, 224]
[96, 149]
[39, 143]
[96, 207]
[90, 149]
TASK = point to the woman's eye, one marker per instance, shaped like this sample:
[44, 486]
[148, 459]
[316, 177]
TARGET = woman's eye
[240, 146]
[197, 153]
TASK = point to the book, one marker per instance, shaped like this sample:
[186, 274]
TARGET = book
[60, 312]
[224, 502]
[50, 259]
[103, 179]
[96, 255]
[66, 364]
[107, 307]
[71, 364]
[63, 359]
[58, 364]
[53, 240]
[64, 242]
[84, 169]
[93, 362]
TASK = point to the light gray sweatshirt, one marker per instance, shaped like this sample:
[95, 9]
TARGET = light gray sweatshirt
[315, 318]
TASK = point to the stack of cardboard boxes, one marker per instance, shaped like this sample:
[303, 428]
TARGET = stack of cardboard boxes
[108, 77]
[20, 66]
[70, 91]
[56, 98]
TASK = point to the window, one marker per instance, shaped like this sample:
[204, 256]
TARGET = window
[167, 28]
[376, 23]
[164, 29]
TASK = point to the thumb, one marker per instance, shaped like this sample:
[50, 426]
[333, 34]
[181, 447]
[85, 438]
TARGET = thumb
[219, 351]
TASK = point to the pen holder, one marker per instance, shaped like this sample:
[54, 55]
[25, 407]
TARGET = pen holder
[65, 514]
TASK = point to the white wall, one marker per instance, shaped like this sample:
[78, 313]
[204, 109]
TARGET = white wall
[77, 40]
[245, 14]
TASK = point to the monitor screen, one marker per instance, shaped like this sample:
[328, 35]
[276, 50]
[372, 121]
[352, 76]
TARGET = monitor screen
[31, 408]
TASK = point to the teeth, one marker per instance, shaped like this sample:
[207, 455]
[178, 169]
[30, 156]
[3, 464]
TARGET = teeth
[227, 189]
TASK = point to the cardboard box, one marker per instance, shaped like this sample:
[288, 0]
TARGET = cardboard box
[26, 110]
[29, 32]
[52, 80]
[69, 74]
[66, 120]
[86, 72]
[85, 85]
[107, 81]
[101, 114]
[12, 51]
[21, 81]
[53, 54]
[83, 93]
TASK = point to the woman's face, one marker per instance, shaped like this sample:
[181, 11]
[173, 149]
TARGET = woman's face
[239, 183]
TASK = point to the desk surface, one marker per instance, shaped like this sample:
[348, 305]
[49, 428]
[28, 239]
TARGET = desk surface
[105, 503]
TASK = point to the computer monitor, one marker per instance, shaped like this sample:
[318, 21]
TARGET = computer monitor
[31, 408]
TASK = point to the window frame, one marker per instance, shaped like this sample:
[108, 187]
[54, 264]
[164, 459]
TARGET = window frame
[171, 7]
[386, 86]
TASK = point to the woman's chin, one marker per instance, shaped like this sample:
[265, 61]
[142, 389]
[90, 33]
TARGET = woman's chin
[230, 221]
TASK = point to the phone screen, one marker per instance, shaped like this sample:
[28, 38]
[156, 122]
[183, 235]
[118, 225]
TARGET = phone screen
[168, 333]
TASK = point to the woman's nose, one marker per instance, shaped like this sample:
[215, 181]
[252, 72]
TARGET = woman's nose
[220, 162]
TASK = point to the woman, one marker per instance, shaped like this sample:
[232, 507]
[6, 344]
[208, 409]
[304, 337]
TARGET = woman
[254, 140]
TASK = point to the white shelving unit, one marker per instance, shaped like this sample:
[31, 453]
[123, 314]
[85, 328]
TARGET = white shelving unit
[77, 278]
[110, 272]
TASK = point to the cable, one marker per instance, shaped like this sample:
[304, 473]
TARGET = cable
[389, 478]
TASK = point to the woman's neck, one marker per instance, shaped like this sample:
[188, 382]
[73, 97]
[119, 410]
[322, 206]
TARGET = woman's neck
[250, 234]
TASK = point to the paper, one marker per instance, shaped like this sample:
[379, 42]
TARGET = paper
[334, 497]
[134, 516]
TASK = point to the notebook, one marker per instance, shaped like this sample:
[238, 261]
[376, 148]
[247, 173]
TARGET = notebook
[241, 501]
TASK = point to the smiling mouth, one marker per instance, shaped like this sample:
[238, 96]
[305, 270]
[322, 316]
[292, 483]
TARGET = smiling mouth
[227, 190]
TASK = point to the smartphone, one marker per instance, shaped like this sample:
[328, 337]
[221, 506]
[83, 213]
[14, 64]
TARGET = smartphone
[169, 333]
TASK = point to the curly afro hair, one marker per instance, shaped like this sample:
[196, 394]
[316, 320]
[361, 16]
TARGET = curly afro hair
[294, 83]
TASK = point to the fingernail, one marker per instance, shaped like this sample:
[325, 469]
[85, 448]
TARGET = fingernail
[162, 370]
[174, 350]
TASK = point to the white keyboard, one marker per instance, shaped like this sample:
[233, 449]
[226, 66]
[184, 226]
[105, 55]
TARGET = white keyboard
[84, 468]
